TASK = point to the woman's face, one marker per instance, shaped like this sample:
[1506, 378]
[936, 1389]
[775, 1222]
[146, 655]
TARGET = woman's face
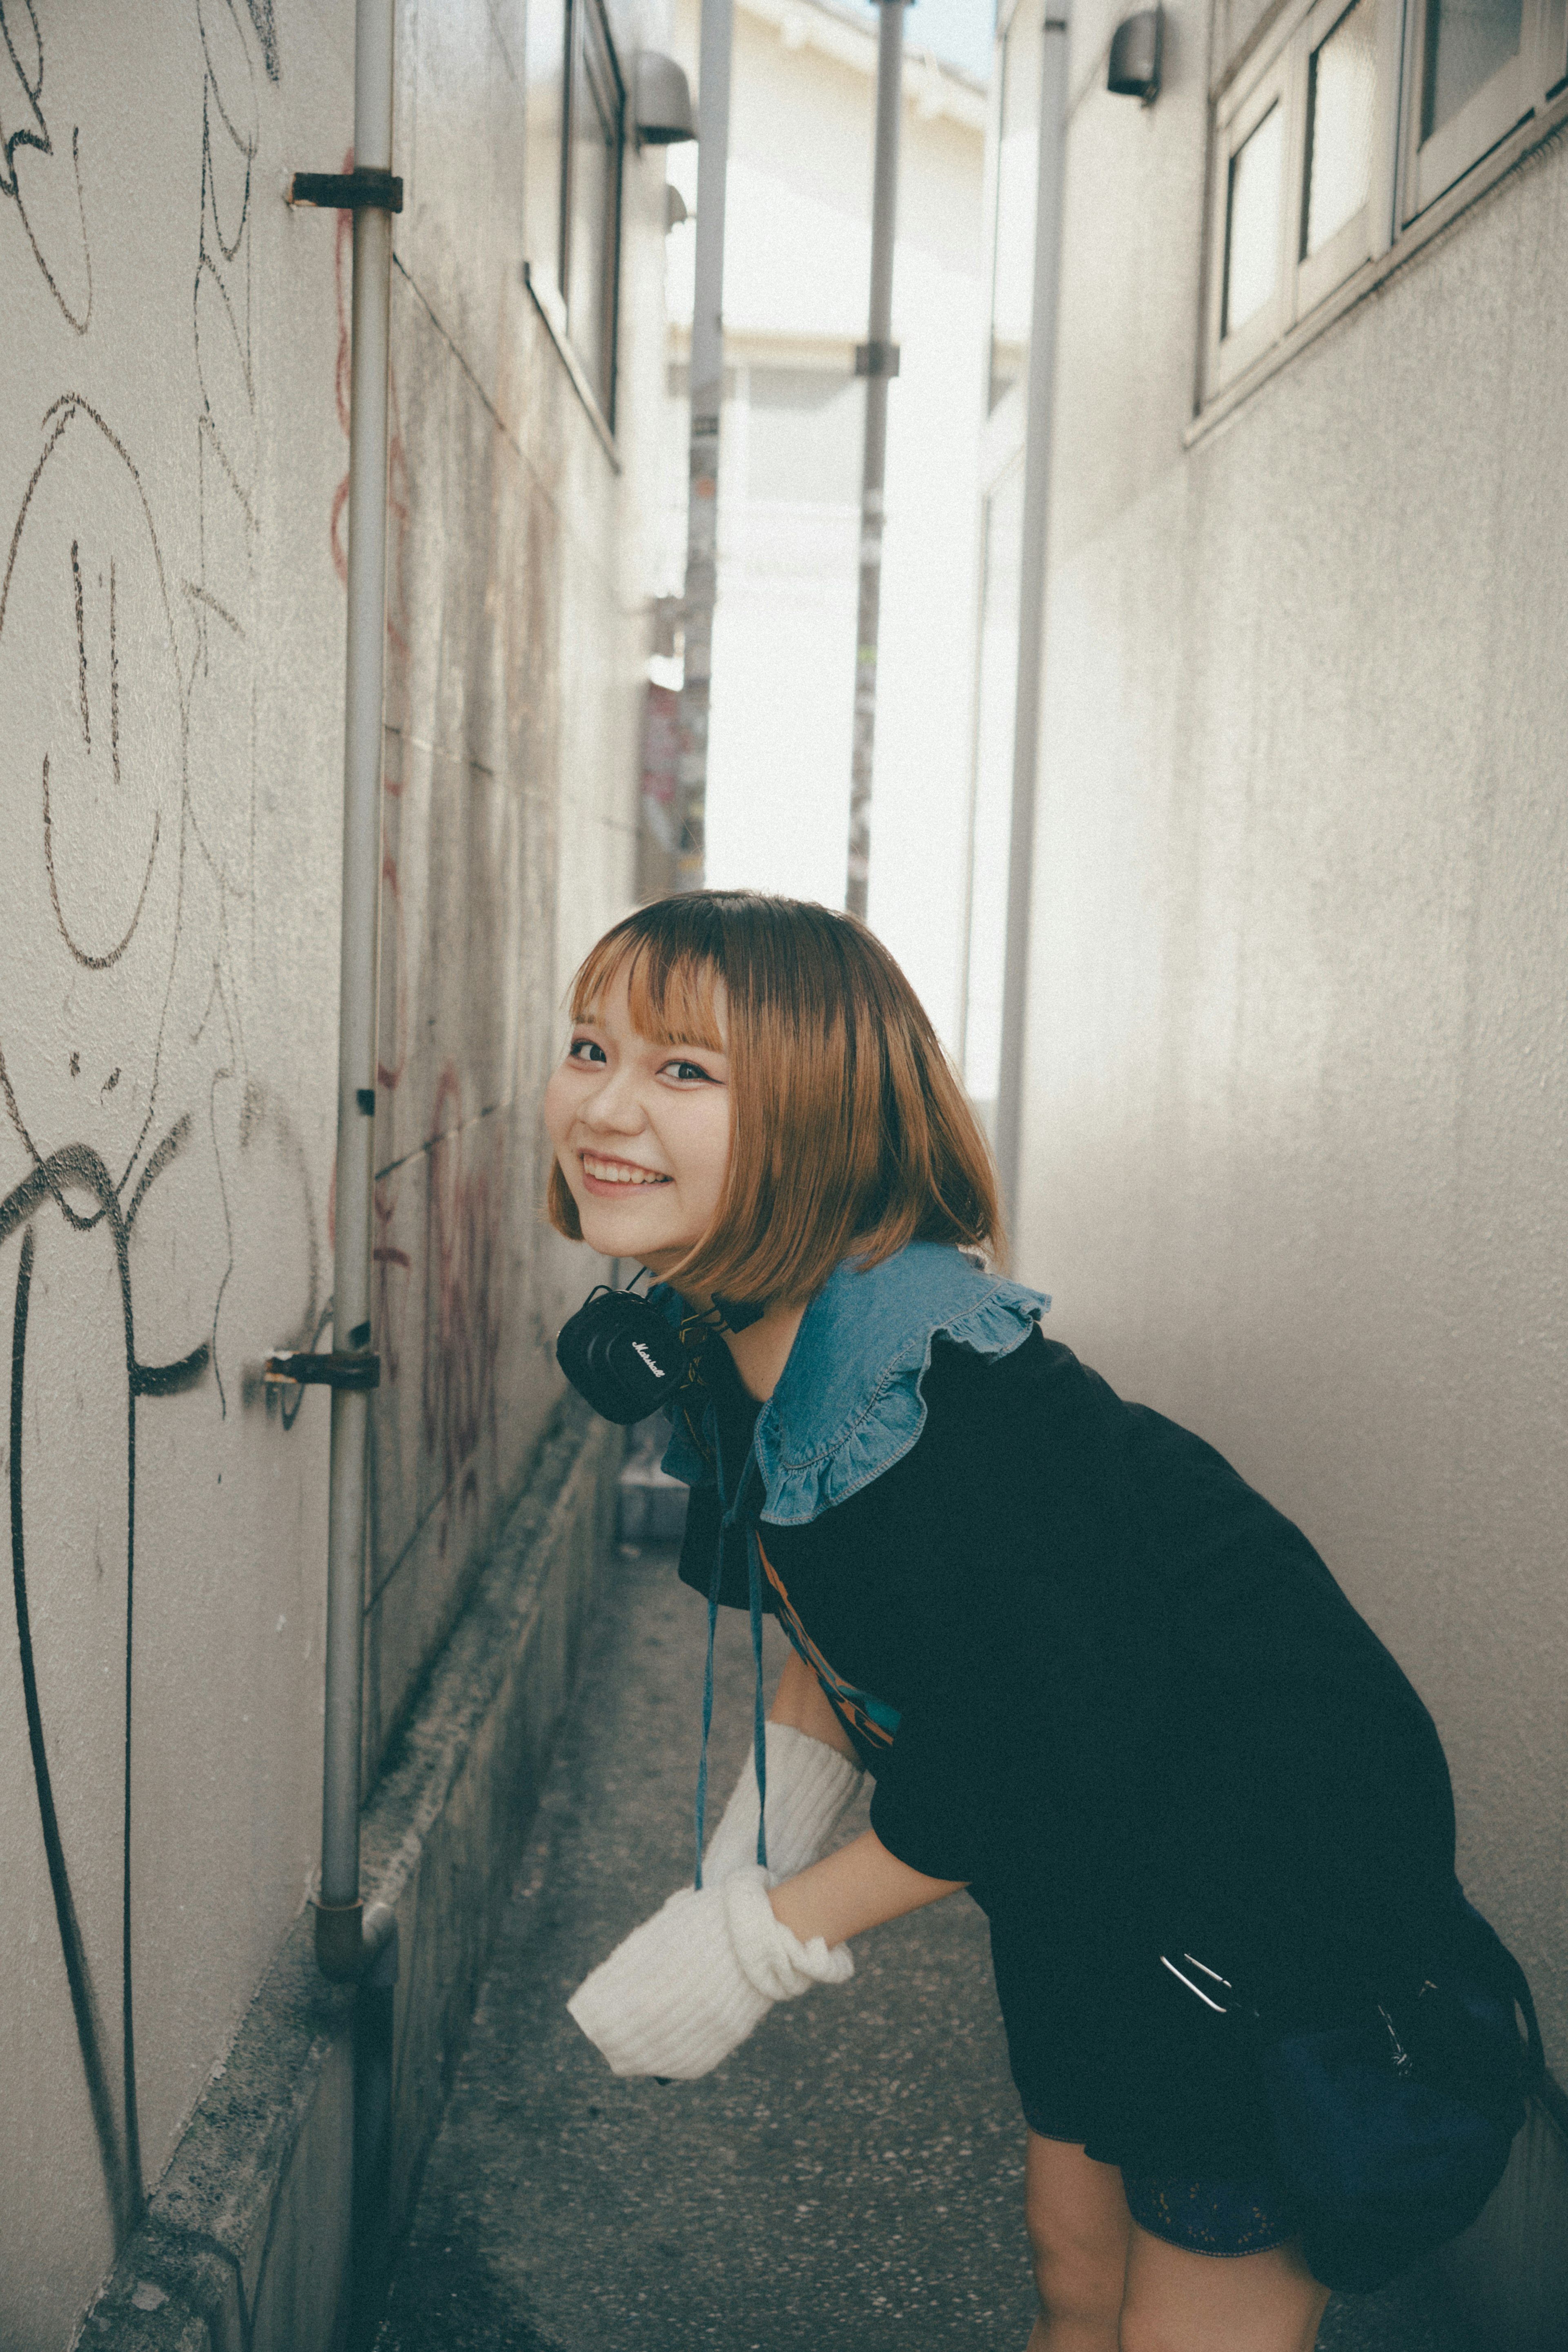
[641, 1133]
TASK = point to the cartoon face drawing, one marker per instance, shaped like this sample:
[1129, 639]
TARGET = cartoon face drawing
[92, 754]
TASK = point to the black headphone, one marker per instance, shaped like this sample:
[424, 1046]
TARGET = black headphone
[619, 1351]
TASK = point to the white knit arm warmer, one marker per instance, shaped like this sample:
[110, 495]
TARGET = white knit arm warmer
[810, 1785]
[688, 1985]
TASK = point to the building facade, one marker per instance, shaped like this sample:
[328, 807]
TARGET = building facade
[796, 276]
[1295, 1079]
[174, 389]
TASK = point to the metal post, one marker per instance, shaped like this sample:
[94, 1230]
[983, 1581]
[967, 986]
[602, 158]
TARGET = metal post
[877, 360]
[707, 404]
[1039, 428]
[339, 1928]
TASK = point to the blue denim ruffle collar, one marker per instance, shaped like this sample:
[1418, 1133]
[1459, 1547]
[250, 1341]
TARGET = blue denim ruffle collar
[849, 1403]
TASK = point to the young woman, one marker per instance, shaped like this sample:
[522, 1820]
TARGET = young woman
[1099, 1681]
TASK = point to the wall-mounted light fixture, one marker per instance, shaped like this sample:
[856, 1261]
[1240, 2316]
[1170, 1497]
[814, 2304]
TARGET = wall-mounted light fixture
[1135, 52]
[662, 102]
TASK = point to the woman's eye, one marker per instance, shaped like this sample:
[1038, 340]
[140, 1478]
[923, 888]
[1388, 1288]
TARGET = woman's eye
[585, 1050]
[685, 1071]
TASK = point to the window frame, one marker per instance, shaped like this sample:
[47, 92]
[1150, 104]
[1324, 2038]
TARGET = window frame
[587, 22]
[1244, 110]
[1415, 187]
[1280, 72]
[546, 243]
[1521, 86]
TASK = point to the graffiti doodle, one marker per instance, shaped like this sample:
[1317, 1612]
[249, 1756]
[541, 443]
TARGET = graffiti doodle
[128, 713]
[33, 171]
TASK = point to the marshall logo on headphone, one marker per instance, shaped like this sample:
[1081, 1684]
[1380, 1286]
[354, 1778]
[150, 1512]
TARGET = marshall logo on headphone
[621, 1353]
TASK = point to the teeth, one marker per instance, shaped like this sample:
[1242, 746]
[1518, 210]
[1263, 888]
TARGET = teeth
[611, 1171]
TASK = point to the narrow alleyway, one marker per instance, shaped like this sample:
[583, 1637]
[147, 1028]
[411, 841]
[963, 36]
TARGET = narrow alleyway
[851, 2177]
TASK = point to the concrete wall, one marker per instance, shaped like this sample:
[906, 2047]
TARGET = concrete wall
[173, 452]
[1296, 1058]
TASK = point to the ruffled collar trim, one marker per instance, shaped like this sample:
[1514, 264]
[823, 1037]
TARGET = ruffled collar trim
[849, 1404]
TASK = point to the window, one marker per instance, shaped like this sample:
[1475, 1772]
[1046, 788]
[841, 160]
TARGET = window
[575, 125]
[1477, 67]
[1301, 145]
[1337, 135]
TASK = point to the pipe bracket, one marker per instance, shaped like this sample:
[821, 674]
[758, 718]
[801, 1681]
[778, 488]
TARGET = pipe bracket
[334, 1367]
[876, 359]
[356, 1940]
[351, 192]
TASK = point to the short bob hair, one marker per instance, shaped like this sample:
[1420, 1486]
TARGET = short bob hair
[851, 1133]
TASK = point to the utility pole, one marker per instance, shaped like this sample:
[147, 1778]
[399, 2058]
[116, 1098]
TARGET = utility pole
[707, 403]
[877, 360]
[1039, 420]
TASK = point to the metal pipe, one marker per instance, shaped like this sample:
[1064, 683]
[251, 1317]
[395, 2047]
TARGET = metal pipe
[877, 360]
[1038, 429]
[707, 405]
[341, 1948]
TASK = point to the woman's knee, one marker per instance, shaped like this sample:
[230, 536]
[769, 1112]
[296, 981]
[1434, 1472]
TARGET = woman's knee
[1081, 2285]
[1078, 2229]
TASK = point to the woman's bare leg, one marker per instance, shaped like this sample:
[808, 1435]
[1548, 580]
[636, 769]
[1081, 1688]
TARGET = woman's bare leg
[1080, 2228]
[1181, 2302]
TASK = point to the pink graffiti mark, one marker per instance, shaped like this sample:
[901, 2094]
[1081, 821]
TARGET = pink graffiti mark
[462, 1292]
[392, 1266]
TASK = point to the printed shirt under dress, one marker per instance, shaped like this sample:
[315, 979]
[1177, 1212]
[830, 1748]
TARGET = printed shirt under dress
[1096, 1677]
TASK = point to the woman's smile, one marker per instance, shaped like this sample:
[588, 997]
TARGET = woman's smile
[602, 1174]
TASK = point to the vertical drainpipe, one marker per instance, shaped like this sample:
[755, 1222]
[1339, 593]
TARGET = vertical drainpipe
[1039, 425]
[345, 1937]
[707, 406]
[877, 360]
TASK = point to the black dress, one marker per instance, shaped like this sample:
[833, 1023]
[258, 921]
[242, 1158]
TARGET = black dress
[1102, 1680]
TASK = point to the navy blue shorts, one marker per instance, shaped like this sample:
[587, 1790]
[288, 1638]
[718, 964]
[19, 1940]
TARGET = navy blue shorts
[1223, 2218]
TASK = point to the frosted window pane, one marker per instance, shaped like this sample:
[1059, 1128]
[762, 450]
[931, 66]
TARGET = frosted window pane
[1340, 122]
[1252, 225]
[1467, 42]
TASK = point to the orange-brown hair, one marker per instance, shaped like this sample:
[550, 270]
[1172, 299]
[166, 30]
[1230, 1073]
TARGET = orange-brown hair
[851, 1128]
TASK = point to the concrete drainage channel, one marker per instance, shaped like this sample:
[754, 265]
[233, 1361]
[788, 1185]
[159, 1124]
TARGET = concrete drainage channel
[652, 1507]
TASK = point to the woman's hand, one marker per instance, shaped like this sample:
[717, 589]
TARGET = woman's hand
[854, 1889]
[691, 1983]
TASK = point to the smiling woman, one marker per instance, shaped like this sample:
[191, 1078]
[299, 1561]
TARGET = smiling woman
[640, 1128]
[1045, 1619]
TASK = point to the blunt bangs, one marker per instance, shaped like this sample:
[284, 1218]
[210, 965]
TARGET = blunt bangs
[852, 1134]
[669, 988]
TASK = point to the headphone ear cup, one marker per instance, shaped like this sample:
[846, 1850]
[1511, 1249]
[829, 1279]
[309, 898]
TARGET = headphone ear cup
[620, 1353]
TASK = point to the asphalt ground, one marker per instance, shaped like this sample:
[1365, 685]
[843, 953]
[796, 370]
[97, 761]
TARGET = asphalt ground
[853, 2175]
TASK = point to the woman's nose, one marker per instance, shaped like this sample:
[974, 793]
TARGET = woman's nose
[616, 1103]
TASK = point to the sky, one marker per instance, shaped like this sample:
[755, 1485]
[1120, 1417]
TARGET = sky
[958, 30]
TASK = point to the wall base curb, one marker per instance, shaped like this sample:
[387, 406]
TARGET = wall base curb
[246, 2244]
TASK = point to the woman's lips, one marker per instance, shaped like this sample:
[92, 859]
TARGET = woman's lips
[608, 1178]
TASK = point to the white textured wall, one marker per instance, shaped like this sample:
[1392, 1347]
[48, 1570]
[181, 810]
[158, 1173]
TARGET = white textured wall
[173, 451]
[1297, 1058]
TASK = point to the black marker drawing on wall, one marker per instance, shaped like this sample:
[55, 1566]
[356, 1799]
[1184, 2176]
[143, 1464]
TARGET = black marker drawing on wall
[42, 174]
[123, 1060]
